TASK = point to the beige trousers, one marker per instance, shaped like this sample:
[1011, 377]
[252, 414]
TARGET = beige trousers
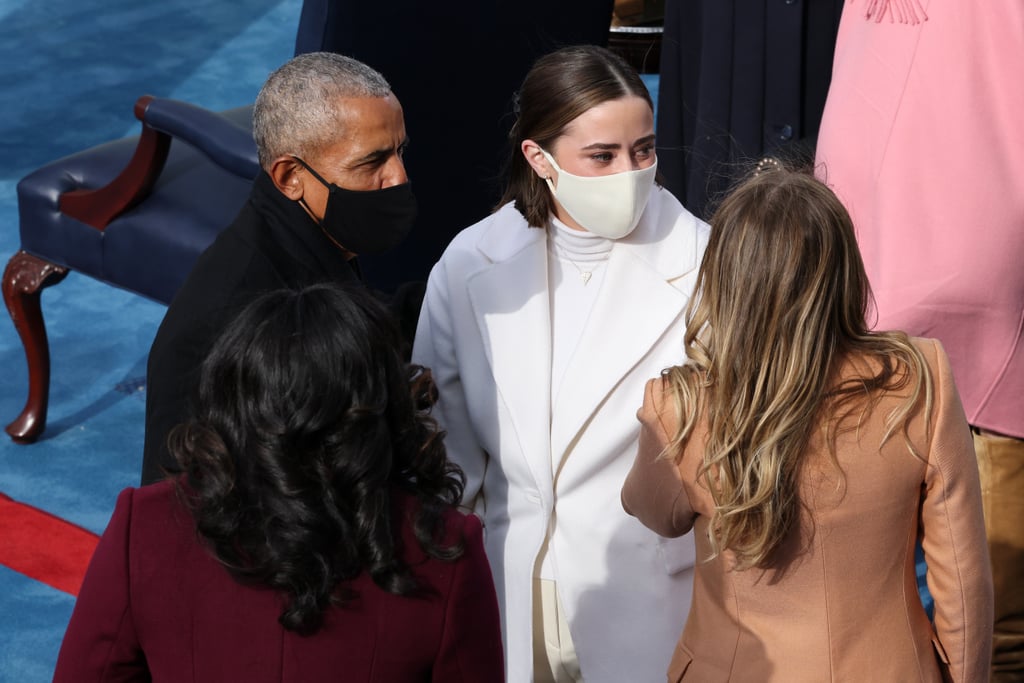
[554, 656]
[1001, 466]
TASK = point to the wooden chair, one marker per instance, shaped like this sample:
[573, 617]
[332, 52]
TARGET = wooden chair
[134, 213]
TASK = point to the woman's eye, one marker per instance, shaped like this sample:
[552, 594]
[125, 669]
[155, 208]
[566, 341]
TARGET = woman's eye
[645, 151]
[602, 157]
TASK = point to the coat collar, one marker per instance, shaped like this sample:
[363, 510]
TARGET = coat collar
[509, 299]
[506, 234]
[650, 275]
[293, 231]
[669, 239]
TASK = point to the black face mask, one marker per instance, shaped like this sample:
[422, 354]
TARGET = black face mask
[367, 222]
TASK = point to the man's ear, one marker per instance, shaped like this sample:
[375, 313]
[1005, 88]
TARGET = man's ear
[532, 152]
[285, 172]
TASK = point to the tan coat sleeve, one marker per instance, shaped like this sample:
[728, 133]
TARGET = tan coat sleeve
[959, 574]
[653, 491]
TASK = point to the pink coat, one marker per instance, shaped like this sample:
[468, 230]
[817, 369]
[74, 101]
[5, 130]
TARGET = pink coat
[923, 140]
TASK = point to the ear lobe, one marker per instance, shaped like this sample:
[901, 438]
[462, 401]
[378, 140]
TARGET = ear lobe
[535, 157]
[285, 171]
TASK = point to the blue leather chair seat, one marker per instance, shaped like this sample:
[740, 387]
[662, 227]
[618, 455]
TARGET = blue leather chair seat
[148, 249]
[134, 213]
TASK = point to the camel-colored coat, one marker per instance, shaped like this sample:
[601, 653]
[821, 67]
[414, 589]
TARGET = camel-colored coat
[841, 603]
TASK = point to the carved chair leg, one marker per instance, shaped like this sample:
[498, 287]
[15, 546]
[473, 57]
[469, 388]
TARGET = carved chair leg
[24, 279]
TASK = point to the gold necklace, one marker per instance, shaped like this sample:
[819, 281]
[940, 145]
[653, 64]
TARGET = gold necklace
[585, 275]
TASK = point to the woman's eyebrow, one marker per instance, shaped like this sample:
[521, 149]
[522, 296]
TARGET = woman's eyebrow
[614, 145]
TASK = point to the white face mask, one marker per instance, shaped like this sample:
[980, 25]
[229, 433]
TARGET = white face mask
[607, 205]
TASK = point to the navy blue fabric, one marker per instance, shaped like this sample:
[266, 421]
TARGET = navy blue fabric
[48, 233]
[150, 249]
[226, 142]
[739, 78]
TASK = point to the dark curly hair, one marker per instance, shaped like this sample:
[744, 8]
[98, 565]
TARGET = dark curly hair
[307, 423]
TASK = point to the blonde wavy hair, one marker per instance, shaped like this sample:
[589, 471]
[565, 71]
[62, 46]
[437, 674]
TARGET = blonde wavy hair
[782, 301]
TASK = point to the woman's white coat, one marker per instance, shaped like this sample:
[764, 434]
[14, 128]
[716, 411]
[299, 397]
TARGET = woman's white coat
[485, 331]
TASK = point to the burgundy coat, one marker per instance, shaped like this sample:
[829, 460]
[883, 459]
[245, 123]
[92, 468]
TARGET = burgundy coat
[155, 605]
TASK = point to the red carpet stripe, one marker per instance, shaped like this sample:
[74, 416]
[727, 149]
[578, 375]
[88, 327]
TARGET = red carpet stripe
[43, 547]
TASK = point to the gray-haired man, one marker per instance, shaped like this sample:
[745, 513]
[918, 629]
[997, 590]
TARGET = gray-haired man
[330, 135]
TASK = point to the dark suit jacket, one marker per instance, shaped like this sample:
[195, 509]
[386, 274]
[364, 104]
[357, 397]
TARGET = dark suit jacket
[272, 244]
[155, 605]
[739, 78]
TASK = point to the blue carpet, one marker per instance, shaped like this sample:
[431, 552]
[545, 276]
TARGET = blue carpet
[72, 71]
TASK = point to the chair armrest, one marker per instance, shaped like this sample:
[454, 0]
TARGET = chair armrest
[225, 143]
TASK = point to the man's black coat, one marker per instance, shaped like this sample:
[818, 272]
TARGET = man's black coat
[273, 243]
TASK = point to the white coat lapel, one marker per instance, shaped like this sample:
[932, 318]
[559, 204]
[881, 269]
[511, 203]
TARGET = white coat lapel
[634, 309]
[511, 306]
[646, 289]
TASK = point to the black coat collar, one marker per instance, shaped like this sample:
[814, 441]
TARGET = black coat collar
[291, 229]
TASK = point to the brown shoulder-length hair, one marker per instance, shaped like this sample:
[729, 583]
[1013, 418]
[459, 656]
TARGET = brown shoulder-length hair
[560, 86]
[782, 300]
